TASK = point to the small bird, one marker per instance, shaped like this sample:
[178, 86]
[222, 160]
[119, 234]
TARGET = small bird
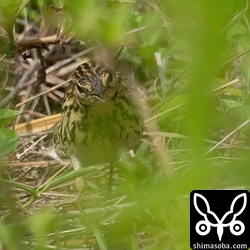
[100, 119]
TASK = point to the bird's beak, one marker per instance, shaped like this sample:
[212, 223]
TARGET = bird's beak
[99, 93]
[99, 90]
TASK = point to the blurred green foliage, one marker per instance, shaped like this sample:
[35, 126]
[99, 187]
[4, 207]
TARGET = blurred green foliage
[103, 19]
[9, 11]
[183, 53]
[9, 140]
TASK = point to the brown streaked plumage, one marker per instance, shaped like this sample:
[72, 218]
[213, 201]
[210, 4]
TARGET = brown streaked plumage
[99, 117]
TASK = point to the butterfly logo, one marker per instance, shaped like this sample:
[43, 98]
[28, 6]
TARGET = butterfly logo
[203, 227]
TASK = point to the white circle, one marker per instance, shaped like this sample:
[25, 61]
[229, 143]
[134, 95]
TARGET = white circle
[202, 227]
[237, 227]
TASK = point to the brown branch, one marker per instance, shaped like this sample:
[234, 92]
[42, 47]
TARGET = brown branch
[40, 42]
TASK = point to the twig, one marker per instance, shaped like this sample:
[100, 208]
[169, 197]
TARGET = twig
[58, 65]
[23, 82]
[37, 42]
[228, 136]
[40, 163]
[226, 85]
[42, 93]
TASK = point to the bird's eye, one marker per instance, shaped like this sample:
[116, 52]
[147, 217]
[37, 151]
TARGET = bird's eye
[80, 89]
[112, 81]
[110, 78]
